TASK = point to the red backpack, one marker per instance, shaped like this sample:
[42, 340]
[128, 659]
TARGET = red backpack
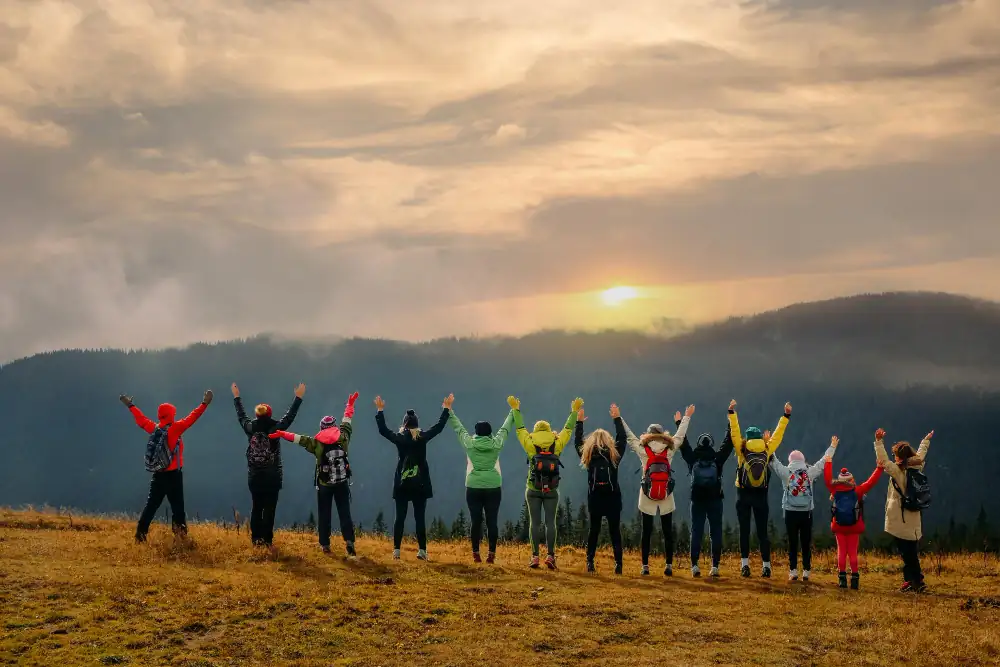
[657, 480]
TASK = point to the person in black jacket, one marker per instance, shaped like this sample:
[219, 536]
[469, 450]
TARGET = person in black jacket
[264, 469]
[411, 482]
[600, 455]
[705, 465]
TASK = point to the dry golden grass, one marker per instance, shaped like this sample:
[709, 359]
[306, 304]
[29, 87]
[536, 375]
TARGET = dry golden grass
[85, 594]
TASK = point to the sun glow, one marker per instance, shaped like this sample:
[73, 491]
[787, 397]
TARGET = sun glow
[616, 296]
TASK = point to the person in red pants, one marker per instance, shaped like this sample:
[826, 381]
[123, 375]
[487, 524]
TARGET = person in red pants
[848, 508]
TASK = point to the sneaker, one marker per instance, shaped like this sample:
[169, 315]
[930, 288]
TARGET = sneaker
[668, 571]
[715, 572]
[745, 571]
[421, 554]
[855, 581]
[805, 575]
[645, 570]
[907, 587]
[920, 588]
[491, 558]
[793, 575]
[842, 580]
[351, 551]
[395, 554]
[590, 566]
[618, 568]
[550, 562]
[695, 571]
[765, 572]
[476, 558]
[535, 562]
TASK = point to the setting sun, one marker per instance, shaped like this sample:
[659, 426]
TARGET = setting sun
[618, 295]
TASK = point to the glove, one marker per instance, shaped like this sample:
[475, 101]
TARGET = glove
[351, 399]
[290, 437]
[513, 403]
[126, 400]
[577, 404]
[208, 397]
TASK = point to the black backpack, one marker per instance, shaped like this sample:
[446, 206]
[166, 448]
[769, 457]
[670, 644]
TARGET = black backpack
[705, 482]
[917, 496]
[261, 453]
[755, 472]
[333, 467]
[158, 456]
[545, 470]
[600, 474]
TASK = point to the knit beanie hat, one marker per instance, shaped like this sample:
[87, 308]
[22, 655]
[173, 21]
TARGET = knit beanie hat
[706, 440]
[410, 420]
[327, 422]
[845, 477]
[753, 433]
[796, 455]
[263, 410]
[655, 429]
[542, 425]
[484, 429]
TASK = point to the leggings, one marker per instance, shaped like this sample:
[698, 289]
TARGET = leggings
[754, 502]
[712, 511]
[847, 547]
[264, 494]
[167, 484]
[601, 506]
[910, 551]
[667, 526]
[326, 496]
[419, 515]
[799, 527]
[537, 503]
[488, 501]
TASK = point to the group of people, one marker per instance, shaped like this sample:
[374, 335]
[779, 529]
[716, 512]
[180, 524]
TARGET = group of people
[601, 455]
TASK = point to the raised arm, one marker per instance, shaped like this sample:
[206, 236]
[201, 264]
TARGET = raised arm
[725, 450]
[435, 431]
[500, 437]
[779, 430]
[687, 452]
[885, 462]
[293, 409]
[188, 422]
[779, 469]
[735, 434]
[828, 474]
[141, 420]
[522, 433]
[865, 487]
[816, 469]
[566, 434]
[578, 432]
[682, 428]
[925, 446]
[383, 430]
[241, 414]
[633, 441]
[464, 438]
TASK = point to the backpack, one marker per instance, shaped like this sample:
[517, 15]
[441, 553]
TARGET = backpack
[657, 480]
[799, 496]
[754, 471]
[545, 470]
[260, 452]
[847, 508]
[599, 473]
[333, 467]
[705, 482]
[410, 479]
[917, 496]
[158, 455]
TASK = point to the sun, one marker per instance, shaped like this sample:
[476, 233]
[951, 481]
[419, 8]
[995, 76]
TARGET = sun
[616, 296]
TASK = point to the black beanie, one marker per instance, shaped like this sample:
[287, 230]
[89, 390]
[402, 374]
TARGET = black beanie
[410, 420]
[706, 440]
[484, 429]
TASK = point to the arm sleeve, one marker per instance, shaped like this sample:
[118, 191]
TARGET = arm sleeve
[816, 469]
[307, 443]
[383, 430]
[889, 465]
[621, 437]
[460, 431]
[633, 442]
[501, 436]
[778, 435]
[188, 422]
[566, 434]
[870, 482]
[828, 475]
[682, 430]
[780, 469]
[141, 420]
[522, 434]
[925, 445]
[736, 436]
[578, 438]
[687, 453]
[346, 431]
[435, 431]
[241, 415]
[726, 450]
[289, 417]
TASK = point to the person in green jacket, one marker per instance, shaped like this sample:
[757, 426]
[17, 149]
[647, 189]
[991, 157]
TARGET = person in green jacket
[333, 473]
[543, 448]
[483, 480]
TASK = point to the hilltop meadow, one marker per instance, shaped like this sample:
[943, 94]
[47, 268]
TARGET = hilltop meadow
[77, 591]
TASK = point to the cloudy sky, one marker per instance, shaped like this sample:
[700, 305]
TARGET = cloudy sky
[181, 171]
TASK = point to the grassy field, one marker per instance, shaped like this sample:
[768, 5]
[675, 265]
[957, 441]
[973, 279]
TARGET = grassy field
[77, 591]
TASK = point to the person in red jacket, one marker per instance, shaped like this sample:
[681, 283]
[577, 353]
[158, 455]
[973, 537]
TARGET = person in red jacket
[848, 509]
[168, 482]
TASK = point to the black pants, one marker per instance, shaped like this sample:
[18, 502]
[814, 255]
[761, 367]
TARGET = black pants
[264, 494]
[480, 501]
[602, 505]
[754, 502]
[710, 510]
[910, 551]
[799, 527]
[170, 485]
[419, 515]
[326, 496]
[667, 525]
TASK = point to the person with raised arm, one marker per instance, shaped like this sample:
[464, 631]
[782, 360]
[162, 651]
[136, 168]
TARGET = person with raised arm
[600, 455]
[753, 456]
[483, 480]
[264, 468]
[797, 505]
[705, 465]
[656, 449]
[165, 460]
[541, 494]
[411, 483]
[908, 494]
[333, 473]
[847, 505]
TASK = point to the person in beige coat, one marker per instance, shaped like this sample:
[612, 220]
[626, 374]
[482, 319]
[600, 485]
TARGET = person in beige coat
[905, 526]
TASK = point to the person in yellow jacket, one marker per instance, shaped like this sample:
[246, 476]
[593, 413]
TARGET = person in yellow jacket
[541, 494]
[753, 456]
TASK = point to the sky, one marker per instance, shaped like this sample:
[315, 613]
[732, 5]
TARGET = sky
[172, 172]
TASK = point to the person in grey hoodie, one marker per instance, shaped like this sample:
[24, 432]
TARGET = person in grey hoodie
[797, 504]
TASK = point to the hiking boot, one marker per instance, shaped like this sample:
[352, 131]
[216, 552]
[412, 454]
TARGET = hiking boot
[590, 566]
[550, 562]
[793, 575]
[535, 562]
[668, 571]
[695, 571]
[421, 554]
[920, 588]
[855, 581]
[325, 548]
[395, 554]
[805, 575]
[140, 538]
[715, 572]
[745, 571]
[842, 580]
[618, 567]
[351, 551]
[491, 558]
[766, 572]
[476, 558]
[645, 570]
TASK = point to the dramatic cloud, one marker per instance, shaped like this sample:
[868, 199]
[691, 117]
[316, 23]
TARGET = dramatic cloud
[171, 172]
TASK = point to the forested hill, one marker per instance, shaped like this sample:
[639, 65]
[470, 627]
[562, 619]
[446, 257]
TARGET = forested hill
[907, 362]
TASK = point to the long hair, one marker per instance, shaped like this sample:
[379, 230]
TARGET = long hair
[903, 451]
[602, 441]
[414, 432]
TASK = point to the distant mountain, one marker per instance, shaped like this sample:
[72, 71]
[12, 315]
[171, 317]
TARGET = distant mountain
[907, 362]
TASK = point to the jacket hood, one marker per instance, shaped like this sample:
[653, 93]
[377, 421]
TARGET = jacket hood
[797, 466]
[329, 436]
[543, 438]
[654, 439]
[166, 413]
[263, 425]
[542, 426]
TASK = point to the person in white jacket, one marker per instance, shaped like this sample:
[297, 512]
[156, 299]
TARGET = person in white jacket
[658, 442]
[797, 504]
